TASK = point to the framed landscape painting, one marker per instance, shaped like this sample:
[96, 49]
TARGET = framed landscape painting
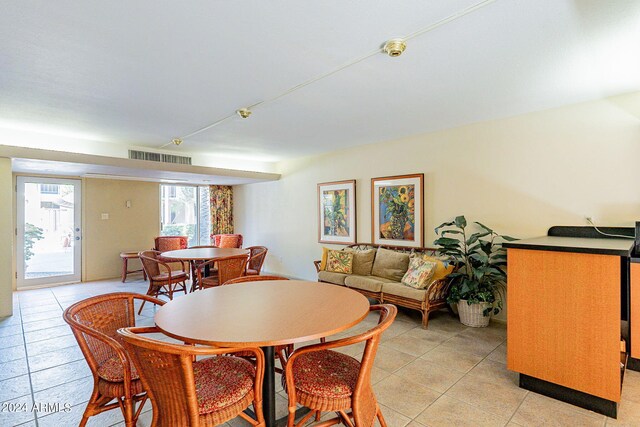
[397, 206]
[337, 212]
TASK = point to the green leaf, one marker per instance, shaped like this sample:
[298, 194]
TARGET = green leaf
[447, 241]
[475, 236]
[480, 257]
[444, 224]
[460, 221]
[451, 232]
[485, 227]
[509, 238]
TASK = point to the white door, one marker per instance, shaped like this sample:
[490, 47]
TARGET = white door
[49, 239]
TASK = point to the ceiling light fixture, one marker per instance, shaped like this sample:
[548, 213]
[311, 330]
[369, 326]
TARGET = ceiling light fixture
[394, 47]
[176, 141]
[244, 112]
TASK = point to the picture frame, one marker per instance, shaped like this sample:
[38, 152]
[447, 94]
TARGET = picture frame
[337, 212]
[397, 210]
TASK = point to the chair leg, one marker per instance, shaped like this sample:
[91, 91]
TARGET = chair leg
[381, 419]
[128, 410]
[291, 419]
[93, 402]
[141, 305]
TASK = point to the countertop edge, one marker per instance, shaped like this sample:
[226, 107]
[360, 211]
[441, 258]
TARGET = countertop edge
[596, 251]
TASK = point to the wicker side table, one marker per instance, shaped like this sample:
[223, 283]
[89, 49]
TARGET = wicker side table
[126, 256]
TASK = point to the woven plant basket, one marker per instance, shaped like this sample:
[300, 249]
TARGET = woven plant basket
[471, 315]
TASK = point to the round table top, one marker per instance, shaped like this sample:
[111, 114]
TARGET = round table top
[203, 253]
[264, 313]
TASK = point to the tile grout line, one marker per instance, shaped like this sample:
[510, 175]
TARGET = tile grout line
[460, 379]
[26, 353]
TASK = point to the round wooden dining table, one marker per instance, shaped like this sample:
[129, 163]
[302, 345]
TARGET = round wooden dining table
[202, 254]
[192, 255]
[262, 314]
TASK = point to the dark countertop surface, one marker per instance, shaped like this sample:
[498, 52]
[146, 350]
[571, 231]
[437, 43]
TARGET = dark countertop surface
[605, 246]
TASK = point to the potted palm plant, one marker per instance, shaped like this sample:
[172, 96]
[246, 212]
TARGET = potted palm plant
[479, 281]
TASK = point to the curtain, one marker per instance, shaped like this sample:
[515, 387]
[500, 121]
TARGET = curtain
[221, 209]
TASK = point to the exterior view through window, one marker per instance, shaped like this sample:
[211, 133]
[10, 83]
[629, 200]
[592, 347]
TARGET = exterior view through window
[185, 211]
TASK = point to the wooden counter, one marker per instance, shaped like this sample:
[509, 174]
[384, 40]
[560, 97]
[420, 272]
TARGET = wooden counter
[563, 319]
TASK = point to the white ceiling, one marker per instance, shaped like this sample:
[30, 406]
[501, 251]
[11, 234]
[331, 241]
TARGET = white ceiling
[140, 73]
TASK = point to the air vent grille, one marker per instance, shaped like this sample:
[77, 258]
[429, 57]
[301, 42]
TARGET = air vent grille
[159, 157]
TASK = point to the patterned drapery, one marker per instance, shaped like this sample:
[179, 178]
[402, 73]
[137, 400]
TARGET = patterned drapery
[221, 209]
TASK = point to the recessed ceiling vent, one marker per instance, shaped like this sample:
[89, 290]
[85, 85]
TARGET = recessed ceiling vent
[159, 157]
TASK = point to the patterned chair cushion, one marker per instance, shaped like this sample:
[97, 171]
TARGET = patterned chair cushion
[113, 371]
[326, 373]
[222, 381]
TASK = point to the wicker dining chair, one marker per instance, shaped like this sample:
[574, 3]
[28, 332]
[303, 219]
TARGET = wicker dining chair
[212, 271]
[227, 240]
[162, 281]
[228, 268]
[326, 380]
[94, 323]
[185, 392]
[256, 259]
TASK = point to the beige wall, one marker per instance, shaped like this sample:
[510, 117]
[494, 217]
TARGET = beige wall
[127, 229]
[519, 175]
[6, 236]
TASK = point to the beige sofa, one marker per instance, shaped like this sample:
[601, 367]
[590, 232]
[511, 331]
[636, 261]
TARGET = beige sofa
[377, 272]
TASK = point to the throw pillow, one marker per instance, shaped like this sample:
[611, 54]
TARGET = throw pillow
[390, 264]
[323, 260]
[443, 267]
[362, 260]
[419, 273]
[339, 262]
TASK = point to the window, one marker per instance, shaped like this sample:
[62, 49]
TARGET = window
[49, 189]
[185, 211]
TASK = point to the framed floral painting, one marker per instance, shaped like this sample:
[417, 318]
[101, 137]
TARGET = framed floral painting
[397, 205]
[337, 212]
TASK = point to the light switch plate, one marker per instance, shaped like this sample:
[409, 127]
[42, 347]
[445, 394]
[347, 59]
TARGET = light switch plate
[105, 216]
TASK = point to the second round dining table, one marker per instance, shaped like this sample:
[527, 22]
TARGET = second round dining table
[263, 314]
[202, 254]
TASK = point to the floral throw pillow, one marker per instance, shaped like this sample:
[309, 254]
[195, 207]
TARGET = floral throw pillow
[419, 273]
[339, 261]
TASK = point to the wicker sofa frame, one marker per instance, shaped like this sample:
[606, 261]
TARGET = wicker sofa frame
[437, 291]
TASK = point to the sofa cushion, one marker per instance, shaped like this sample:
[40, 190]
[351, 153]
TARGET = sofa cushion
[335, 278]
[362, 261]
[366, 283]
[443, 267]
[339, 262]
[390, 264]
[401, 290]
[419, 274]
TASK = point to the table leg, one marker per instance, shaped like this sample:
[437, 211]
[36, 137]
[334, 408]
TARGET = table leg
[269, 387]
[124, 269]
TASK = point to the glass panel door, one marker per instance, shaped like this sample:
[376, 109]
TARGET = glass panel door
[49, 238]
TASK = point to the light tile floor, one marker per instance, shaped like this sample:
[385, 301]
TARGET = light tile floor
[448, 375]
